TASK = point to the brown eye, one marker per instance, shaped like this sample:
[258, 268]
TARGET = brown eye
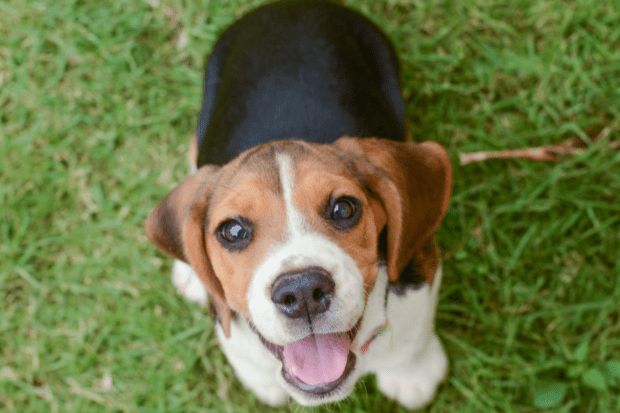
[234, 234]
[344, 212]
[343, 209]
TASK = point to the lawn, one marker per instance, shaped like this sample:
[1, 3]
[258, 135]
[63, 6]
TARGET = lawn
[97, 104]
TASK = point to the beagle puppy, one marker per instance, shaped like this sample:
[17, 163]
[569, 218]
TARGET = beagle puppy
[308, 221]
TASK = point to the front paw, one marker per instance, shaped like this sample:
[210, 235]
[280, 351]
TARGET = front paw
[187, 283]
[414, 384]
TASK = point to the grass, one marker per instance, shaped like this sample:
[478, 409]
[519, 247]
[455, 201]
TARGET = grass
[98, 100]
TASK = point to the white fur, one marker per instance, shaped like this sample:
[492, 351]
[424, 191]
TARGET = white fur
[254, 365]
[295, 221]
[411, 372]
[187, 283]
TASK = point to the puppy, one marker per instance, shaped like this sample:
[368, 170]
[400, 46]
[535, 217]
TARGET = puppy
[309, 220]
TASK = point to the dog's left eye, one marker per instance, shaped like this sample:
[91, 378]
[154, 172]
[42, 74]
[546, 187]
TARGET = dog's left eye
[344, 212]
[343, 209]
[234, 234]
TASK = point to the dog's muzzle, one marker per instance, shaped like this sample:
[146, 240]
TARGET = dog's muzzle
[317, 363]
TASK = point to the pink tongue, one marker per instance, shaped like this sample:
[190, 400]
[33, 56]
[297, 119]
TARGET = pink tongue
[317, 358]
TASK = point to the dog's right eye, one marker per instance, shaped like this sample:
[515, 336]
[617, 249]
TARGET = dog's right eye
[234, 234]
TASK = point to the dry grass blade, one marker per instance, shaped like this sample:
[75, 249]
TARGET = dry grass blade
[548, 153]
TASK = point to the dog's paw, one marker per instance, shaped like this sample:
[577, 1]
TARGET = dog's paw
[414, 384]
[187, 283]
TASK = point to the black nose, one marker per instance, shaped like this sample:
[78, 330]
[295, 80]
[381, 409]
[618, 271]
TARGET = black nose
[303, 293]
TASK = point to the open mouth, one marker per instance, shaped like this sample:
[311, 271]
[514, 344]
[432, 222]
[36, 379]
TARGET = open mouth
[318, 363]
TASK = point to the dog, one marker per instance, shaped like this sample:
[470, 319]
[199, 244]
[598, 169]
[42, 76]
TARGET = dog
[308, 221]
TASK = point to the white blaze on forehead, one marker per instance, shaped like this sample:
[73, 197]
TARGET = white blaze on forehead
[295, 221]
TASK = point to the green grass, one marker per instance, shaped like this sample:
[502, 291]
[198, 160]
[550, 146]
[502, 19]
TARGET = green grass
[98, 100]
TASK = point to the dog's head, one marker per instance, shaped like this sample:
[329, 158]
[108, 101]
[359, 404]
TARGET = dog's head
[286, 235]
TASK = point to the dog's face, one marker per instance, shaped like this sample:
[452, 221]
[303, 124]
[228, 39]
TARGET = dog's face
[286, 236]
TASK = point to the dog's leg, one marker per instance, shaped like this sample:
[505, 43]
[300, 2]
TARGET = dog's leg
[187, 283]
[254, 365]
[417, 364]
[413, 384]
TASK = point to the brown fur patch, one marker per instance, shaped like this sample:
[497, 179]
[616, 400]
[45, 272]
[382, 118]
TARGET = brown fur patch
[413, 182]
[253, 199]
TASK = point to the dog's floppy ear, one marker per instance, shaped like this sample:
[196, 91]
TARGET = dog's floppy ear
[177, 227]
[413, 182]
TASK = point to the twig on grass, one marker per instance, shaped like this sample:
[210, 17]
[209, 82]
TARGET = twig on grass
[549, 153]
